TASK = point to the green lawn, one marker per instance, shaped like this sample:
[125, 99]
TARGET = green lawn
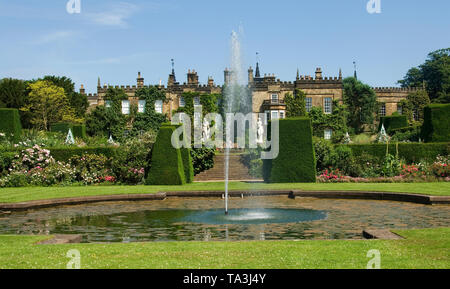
[422, 249]
[11, 195]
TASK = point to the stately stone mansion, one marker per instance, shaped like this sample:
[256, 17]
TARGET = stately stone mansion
[268, 92]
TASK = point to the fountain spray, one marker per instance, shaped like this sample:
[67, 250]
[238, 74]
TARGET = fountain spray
[236, 98]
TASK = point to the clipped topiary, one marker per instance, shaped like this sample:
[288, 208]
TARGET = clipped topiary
[436, 125]
[296, 161]
[393, 122]
[10, 123]
[167, 163]
[61, 127]
[79, 131]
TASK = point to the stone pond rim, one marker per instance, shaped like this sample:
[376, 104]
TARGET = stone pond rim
[366, 195]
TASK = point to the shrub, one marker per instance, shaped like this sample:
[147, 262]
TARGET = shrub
[131, 159]
[10, 123]
[166, 162]
[436, 126]
[6, 159]
[393, 122]
[296, 160]
[91, 169]
[202, 159]
[342, 157]
[322, 149]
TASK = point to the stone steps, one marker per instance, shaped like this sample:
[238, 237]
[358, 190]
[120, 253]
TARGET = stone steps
[237, 171]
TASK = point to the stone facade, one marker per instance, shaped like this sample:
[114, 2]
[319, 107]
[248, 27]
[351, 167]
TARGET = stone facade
[268, 92]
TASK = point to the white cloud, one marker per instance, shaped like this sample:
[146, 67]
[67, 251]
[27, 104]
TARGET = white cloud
[54, 36]
[116, 16]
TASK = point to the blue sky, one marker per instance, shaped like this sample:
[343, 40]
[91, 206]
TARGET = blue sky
[116, 39]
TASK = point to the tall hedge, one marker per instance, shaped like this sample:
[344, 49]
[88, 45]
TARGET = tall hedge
[10, 123]
[436, 125]
[393, 122]
[79, 131]
[61, 127]
[188, 163]
[296, 161]
[411, 152]
[167, 163]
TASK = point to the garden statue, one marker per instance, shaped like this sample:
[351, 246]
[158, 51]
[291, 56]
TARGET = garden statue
[347, 139]
[69, 138]
[110, 140]
[206, 131]
[259, 131]
[382, 136]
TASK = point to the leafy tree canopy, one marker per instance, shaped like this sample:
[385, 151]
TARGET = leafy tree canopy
[48, 104]
[361, 103]
[434, 73]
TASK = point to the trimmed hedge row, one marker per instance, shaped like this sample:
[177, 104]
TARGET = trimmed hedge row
[411, 152]
[393, 122]
[296, 161]
[64, 154]
[436, 125]
[78, 130]
[167, 163]
[10, 123]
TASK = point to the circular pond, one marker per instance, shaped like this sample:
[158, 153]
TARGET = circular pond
[203, 219]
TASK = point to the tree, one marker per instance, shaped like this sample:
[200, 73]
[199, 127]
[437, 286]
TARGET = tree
[415, 103]
[47, 104]
[108, 121]
[12, 93]
[413, 78]
[435, 73]
[77, 101]
[295, 104]
[361, 103]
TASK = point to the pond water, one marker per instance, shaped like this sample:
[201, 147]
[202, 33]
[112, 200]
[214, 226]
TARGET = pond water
[203, 219]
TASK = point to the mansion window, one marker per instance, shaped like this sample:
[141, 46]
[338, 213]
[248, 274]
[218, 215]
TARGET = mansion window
[275, 114]
[182, 102]
[125, 107]
[197, 101]
[383, 109]
[328, 133]
[274, 98]
[159, 106]
[328, 105]
[141, 106]
[308, 104]
[108, 103]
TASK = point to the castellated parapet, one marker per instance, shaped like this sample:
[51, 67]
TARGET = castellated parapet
[268, 92]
